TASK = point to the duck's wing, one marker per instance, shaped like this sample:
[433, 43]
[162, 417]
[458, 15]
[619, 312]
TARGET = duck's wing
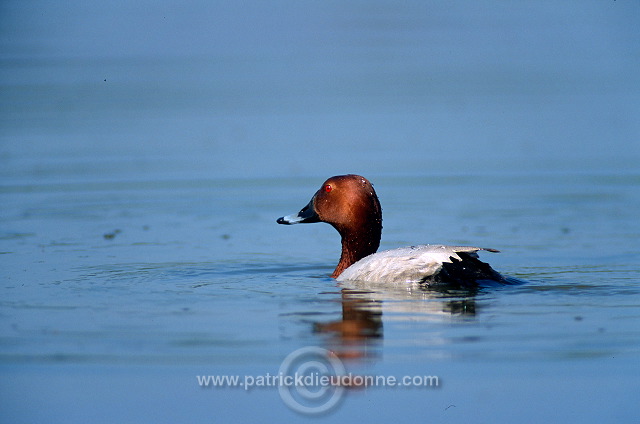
[429, 264]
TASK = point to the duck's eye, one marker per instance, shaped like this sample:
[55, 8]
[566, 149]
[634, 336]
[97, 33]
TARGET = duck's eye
[328, 188]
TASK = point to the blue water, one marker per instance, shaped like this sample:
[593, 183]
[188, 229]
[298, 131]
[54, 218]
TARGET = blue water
[147, 149]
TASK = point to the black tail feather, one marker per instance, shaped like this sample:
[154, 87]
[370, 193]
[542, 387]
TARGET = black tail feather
[467, 272]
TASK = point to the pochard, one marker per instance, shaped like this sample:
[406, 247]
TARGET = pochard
[350, 204]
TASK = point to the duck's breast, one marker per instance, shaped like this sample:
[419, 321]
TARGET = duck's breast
[404, 265]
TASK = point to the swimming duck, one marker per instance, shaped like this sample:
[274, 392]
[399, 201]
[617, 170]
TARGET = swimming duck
[350, 204]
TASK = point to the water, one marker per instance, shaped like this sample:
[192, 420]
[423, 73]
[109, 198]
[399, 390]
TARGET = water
[142, 171]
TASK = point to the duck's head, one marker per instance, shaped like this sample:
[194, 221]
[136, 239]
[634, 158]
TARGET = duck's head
[350, 204]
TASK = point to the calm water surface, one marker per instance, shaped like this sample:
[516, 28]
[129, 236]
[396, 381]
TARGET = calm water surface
[142, 171]
[108, 283]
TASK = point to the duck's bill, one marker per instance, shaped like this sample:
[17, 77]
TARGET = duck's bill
[306, 215]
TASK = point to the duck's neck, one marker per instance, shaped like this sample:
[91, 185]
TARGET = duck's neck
[358, 244]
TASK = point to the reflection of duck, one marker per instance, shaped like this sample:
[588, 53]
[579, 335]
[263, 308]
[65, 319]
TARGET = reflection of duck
[416, 302]
[350, 204]
[361, 318]
[360, 328]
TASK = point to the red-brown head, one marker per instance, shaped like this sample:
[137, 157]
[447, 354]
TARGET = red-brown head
[350, 204]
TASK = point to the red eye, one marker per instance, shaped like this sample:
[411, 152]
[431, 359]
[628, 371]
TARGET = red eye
[327, 188]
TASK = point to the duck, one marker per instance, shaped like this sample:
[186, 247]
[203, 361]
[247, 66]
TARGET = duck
[350, 204]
